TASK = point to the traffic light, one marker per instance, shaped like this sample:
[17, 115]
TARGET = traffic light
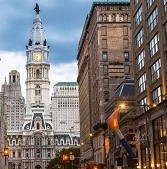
[6, 152]
[65, 157]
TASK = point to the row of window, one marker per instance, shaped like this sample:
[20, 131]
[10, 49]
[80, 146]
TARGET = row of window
[156, 96]
[105, 56]
[105, 17]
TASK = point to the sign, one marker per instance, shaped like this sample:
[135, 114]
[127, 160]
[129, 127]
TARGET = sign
[72, 157]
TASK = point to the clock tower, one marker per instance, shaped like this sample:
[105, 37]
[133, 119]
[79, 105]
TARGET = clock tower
[37, 132]
[37, 82]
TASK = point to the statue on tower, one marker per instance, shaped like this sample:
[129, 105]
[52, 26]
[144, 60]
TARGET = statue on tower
[37, 10]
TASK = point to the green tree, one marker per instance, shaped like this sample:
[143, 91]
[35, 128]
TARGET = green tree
[59, 163]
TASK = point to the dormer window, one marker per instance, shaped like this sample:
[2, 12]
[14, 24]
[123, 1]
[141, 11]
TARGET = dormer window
[38, 126]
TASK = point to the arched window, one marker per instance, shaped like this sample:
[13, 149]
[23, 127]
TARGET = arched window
[48, 141]
[37, 73]
[37, 90]
[38, 126]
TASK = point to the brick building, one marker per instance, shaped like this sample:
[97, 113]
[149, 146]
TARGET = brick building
[149, 27]
[104, 60]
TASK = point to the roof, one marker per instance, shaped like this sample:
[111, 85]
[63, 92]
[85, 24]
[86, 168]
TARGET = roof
[126, 88]
[112, 1]
[66, 84]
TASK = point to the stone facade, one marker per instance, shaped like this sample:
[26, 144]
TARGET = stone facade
[65, 108]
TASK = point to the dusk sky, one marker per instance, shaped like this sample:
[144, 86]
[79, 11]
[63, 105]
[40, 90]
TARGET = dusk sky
[63, 21]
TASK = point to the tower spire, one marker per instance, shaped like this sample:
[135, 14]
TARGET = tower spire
[37, 10]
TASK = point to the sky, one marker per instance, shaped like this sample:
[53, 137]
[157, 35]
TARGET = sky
[63, 21]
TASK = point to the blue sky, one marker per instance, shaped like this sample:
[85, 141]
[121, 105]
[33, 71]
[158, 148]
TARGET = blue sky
[62, 20]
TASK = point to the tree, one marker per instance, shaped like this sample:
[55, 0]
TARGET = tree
[65, 163]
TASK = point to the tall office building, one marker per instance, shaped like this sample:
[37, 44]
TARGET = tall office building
[65, 108]
[149, 27]
[15, 102]
[104, 61]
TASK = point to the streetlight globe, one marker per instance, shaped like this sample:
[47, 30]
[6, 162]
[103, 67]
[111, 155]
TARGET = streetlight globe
[122, 105]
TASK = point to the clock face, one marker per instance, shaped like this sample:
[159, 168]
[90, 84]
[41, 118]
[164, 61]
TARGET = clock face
[37, 56]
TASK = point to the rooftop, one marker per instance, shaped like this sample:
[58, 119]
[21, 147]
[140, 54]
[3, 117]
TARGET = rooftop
[66, 84]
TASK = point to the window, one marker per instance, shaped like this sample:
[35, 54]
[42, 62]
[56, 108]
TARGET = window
[113, 17]
[153, 20]
[126, 56]
[139, 38]
[165, 5]
[100, 17]
[140, 60]
[14, 154]
[138, 16]
[154, 45]
[19, 154]
[103, 17]
[159, 128]
[149, 3]
[155, 70]
[37, 90]
[104, 56]
[38, 126]
[156, 95]
[49, 141]
[37, 73]
[142, 83]
[27, 153]
[143, 102]
[38, 153]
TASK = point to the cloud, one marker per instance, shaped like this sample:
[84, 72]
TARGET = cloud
[17, 61]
